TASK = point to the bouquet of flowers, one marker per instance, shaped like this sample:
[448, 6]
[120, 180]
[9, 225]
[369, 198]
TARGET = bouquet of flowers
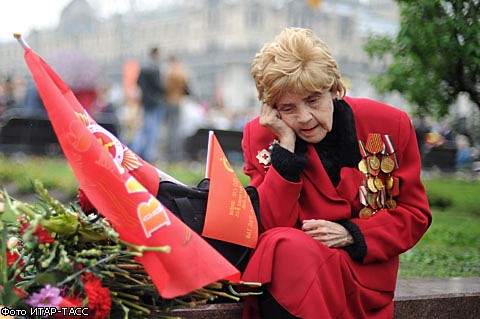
[66, 262]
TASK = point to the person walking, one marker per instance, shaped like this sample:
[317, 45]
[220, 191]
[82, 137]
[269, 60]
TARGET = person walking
[176, 87]
[152, 91]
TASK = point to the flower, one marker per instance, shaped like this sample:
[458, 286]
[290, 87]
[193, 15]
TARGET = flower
[12, 257]
[47, 297]
[12, 243]
[85, 203]
[98, 297]
[43, 236]
[60, 256]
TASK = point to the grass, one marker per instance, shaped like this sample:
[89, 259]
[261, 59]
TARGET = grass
[450, 248]
[54, 172]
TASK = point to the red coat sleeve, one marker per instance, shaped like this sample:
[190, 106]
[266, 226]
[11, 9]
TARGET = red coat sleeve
[274, 191]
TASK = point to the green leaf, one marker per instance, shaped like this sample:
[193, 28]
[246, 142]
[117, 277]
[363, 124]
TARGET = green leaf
[9, 214]
[49, 278]
[9, 296]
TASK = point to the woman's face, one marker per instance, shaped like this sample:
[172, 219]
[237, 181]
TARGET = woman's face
[310, 115]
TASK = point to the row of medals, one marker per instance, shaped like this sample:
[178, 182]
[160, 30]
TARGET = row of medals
[379, 185]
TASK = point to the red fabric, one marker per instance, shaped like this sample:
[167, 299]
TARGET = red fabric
[87, 99]
[230, 215]
[106, 172]
[301, 273]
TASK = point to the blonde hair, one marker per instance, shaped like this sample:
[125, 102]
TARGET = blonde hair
[297, 61]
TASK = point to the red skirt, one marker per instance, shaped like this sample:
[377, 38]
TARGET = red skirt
[310, 280]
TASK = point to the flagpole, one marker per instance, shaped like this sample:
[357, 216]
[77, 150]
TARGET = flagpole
[20, 40]
[209, 150]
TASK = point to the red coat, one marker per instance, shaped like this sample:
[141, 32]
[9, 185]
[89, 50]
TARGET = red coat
[307, 278]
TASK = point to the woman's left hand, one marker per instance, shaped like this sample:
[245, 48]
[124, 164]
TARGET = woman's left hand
[329, 233]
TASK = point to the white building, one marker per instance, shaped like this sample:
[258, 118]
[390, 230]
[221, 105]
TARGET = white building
[215, 39]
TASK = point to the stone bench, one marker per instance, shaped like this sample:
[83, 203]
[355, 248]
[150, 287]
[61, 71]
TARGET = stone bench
[445, 298]
[33, 133]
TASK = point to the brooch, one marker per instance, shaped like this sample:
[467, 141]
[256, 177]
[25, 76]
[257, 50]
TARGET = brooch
[263, 156]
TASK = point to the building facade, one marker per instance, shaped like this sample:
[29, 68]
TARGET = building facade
[215, 39]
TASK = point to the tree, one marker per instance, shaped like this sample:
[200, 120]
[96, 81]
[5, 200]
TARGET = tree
[435, 56]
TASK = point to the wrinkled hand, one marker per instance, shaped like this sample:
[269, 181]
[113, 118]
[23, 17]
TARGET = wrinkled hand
[329, 233]
[270, 118]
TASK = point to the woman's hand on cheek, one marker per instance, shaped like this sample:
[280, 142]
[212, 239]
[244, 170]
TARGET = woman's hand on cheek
[329, 233]
[270, 118]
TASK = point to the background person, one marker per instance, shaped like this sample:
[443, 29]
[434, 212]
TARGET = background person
[176, 87]
[336, 210]
[145, 142]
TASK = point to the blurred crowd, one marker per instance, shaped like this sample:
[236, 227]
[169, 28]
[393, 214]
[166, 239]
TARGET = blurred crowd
[184, 112]
[453, 136]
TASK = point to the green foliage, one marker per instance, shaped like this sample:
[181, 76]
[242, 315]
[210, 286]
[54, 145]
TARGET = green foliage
[53, 172]
[435, 55]
[450, 248]
[455, 194]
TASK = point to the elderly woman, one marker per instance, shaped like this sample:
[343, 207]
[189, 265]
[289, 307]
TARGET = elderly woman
[339, 186]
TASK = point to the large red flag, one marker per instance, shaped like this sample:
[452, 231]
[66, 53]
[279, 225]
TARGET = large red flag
[107, 172]
[230, 215]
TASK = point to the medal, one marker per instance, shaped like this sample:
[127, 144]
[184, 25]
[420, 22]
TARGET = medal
[389, 183]
[373, 162]
[391, 203]
[372, 200]
[362, 166]
[387, 165]
[394, 190]
[365, 213]
[379, 186]
[378, 183]
[390, 148]
[371, 185]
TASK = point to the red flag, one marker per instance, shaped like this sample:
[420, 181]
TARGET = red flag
[230, 215]
[106, 170]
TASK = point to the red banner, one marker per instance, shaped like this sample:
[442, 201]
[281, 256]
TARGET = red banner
[230, 215]
[120, 185]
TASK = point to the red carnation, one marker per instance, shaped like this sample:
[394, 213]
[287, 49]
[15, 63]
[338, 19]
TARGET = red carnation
[98, 297]
[85, 203]
[43, 236]
[12, 258]
[24, 227]
[19, 292]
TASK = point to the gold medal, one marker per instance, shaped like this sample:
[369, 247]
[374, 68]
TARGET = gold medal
[365, 213]
[362, 166]
[389, 182]
[378, 183]
[394, 190]
[387, 165]
[371, 185]
[372, 200]
[391, 203]
[374, 162]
